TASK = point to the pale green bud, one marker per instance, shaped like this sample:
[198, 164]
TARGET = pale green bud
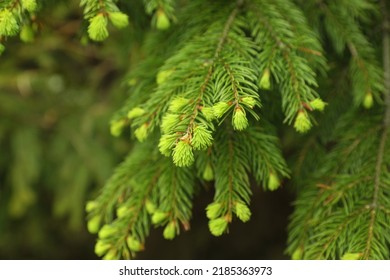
[170, 231]
[265, 81]
[298, 254]
[135, 113]
[150, 207]
[218, 226]
[208, 173]
[162, 20]
[243, 212]
[122, 211]
[163, 75]
[220, 109]
[91, 205]
[141, 133]
[30, 5]
[183, 154]
[101, 248]
[368, 100]
[2, 48]
[111, 255]
[177, 104]
[116, 127]
[93, 224]
[351, 256]
[8, 24]
[169, 122]
[201, 138]
[97, 29]
[166, 143]
[317, 104]
[107, 231]
[240, 122]
[159, 217]
[273, 182]
[213, 210]
[27, 34]
[302, 123]
[134, 244]
[249, 101]
[208, 113]
[118, 19]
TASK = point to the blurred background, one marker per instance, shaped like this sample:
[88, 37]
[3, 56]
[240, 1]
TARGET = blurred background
[57, 94]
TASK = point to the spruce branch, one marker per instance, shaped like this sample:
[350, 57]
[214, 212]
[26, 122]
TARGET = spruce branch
[218, 68]
[98, 12]
[163, 12]
[134, 223]
[176, 189]
[264, 155]
[211, 68]
[344, 31]
[16, 17]
[280, 41]
[216, 75]
[327, 222]
[385, 130]
[141, 205]
[231, 180]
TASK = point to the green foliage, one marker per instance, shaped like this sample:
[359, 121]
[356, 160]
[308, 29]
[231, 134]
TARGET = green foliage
[52, 119]
[17, 17]
[30, 5]
[218, 95]
[8, 24]
[118, 19]
[302, 122]
[97, 29]
[344, 208]
[205, 100]
[98, 12]
[162, 11]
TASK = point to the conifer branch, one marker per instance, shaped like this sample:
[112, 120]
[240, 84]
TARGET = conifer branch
[230, 176]
[386, 126]
[264, 155]
[233, 82]
[276, 37]
[14, 18]
[210, 71]
[132, 223]
[116, 188]
[340, 228]
[343, 29]
[141, 206]
[227, 27]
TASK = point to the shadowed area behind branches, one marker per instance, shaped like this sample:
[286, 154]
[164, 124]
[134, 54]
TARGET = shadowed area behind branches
[263, 237]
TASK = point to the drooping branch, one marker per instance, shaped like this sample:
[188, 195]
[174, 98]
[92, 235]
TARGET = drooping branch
[386, 125]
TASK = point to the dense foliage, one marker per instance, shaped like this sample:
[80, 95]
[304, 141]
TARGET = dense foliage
[233, 95]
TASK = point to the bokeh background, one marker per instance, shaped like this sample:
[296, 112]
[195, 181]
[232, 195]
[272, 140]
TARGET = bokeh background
[57, 95]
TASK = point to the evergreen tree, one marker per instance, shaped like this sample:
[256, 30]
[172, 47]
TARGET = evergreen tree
[279, 91]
